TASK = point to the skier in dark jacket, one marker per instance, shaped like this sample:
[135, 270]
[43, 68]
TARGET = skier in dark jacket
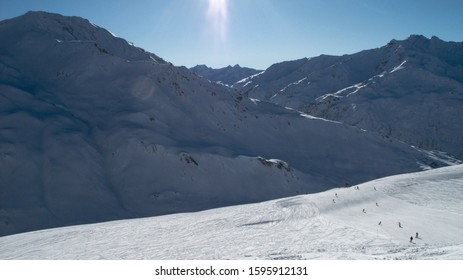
[411, 239]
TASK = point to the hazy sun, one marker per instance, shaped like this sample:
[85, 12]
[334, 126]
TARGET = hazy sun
[217, 17]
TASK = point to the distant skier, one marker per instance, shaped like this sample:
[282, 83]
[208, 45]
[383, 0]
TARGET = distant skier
[411, 239]
[336, 195]
[379, 223]
[364, 211]
[377, 204]
[334, 201]
[416, 235]
[374, 188]
[400, 225]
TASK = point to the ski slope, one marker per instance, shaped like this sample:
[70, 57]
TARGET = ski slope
[302, 227]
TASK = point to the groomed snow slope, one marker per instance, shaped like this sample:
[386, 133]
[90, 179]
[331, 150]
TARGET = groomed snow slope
[301, 227]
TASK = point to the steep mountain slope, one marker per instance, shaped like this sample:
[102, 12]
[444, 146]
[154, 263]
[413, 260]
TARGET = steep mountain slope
[94, 129]
[227, 75]
[302, 227]
[411, 90]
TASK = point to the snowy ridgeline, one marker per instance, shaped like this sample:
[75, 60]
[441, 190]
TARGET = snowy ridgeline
[227, 75]
[410, 89]
[336, 224]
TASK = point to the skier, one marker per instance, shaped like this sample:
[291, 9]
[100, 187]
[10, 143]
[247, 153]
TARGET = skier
[334, 201]
[374, 188]
[400, 225]
[411, 239]
[379, 223]
[416, 235]
[377, 204]
[336, 195]
[364, 211]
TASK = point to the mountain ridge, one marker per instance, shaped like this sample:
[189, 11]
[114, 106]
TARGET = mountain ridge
[354, 89]
[228, 75]
[95, 129]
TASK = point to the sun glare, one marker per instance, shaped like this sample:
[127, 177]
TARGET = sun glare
[217, 17]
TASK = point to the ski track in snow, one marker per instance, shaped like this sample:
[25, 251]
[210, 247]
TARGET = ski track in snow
[302, 227]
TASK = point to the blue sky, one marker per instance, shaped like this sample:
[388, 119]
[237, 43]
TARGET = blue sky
[257, 33]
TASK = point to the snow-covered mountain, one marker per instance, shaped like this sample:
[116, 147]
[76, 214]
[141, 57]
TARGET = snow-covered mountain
[411, 90]
[227, 75]
[326, 225]
[93, 129]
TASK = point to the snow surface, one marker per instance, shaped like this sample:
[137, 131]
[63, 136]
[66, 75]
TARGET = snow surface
[94, 129]
[410, 90]
[326, 225]
[397, 68]
[228, 75]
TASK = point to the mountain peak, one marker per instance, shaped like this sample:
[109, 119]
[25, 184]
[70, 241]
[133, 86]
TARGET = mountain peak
[54, 28]
[412, 39]
[417, 37]
[226, 75]
[65, 28]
